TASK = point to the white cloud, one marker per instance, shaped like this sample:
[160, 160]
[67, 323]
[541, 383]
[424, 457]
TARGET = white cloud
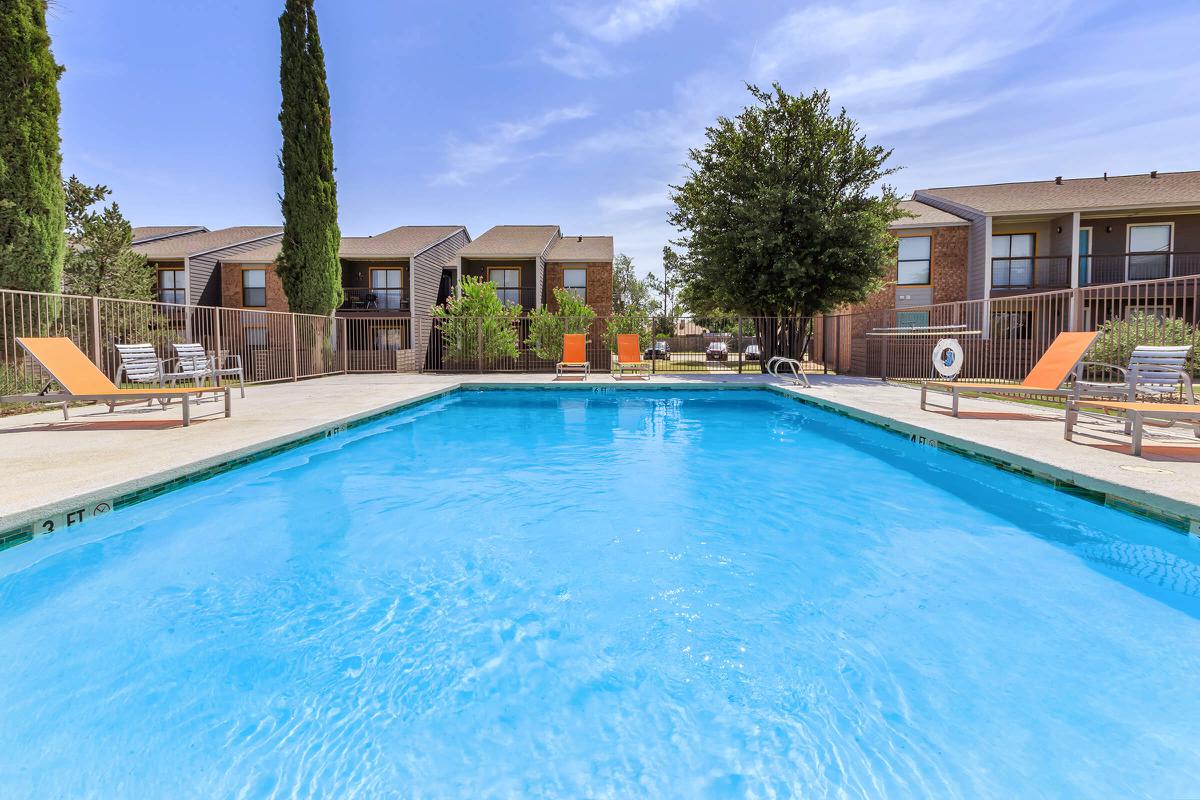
[609, 25]
[628, 19]
[635, 203]
[577, 59]
[872, 48]
[501, 145]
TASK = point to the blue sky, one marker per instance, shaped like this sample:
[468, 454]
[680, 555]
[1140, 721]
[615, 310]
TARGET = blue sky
[581, 113]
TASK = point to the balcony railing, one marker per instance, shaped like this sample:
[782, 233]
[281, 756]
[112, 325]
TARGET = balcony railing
[1122, 267]
[360, 299]
[1036, 272]
[1054, 272]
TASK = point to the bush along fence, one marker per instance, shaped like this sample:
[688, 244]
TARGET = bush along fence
[1003, 337]
[534, 343]
[280, 346]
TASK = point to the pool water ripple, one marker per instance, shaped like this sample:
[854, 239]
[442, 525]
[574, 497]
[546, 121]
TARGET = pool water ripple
[706, 594]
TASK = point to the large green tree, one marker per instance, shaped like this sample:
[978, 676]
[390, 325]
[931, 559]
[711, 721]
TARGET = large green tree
[32, 220]
[667, 288]
[630, 293]
[99, 260]
[308, 263]
[783, 216]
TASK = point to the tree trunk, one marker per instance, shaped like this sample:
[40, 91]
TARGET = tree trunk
[781, 335]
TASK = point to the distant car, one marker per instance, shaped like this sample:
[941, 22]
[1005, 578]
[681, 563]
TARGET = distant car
[753, 352]
[717, 351]
[660, 349]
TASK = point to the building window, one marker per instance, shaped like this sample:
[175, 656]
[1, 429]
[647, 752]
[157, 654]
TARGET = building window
[575, 282]
[388, 287]
[171, 286]
[508, 285]
[254, 288]
[912, 319]
[912, 260]
[1012, 324]
[1012, 260]
[1149, 252]
[255, 337]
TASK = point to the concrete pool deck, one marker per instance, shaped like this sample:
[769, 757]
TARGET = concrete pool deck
[57, 472]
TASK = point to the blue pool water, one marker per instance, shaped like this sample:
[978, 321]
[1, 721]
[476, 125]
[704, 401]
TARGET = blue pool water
[611, 594]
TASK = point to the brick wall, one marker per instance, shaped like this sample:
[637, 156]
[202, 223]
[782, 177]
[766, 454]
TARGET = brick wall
[950, 264]
[231, 287]
[599, 285]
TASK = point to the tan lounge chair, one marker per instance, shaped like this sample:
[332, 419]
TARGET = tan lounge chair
[574, 356]
[1136, 415]
[81, 380]
[1046, 378]
[629, 356]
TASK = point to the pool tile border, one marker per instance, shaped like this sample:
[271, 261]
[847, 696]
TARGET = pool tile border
[25, 533]
[1058, 479]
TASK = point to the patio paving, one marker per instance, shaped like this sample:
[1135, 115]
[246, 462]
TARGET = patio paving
[52, 467]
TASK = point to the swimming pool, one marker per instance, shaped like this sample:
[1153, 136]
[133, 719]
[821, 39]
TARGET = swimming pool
[621, 593]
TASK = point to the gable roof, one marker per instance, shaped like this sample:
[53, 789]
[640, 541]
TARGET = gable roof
[582, 248]
[518, 241]
[204, 242]
[925, 216]
[1075, 194]
[148, 232]
[405, 241]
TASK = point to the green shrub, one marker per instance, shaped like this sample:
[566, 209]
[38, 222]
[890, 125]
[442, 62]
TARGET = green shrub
[546, 328]
[1118, 337]
[478, 317]
[633, 321]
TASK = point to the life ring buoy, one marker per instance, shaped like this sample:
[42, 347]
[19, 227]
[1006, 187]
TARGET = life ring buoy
[947, 357]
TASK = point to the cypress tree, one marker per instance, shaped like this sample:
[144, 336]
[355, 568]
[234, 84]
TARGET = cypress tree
[308, 263]
[32, 215]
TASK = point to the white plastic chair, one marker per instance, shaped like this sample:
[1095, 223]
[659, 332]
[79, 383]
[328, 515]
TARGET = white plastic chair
[193, 357]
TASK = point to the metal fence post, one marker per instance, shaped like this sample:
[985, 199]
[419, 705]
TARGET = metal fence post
[479, 352]
[217, 334]
[344, 343]
[97, 351]
[742, 348]
[295, 352]
[883, 365]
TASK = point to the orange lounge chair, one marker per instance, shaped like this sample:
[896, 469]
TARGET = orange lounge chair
[574, 356]
[81, 380]
[1046, 378]
[629, 356]
[1136, 415]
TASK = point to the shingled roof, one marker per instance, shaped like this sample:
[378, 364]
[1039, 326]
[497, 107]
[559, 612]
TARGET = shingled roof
[1115, 192]
[179, 247]
[402, 242]
[924, 216]
[581, 248]
[148, 232]
[517, 241]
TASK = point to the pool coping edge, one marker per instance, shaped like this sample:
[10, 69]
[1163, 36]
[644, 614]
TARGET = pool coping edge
[1168, 511]
[18, 528]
